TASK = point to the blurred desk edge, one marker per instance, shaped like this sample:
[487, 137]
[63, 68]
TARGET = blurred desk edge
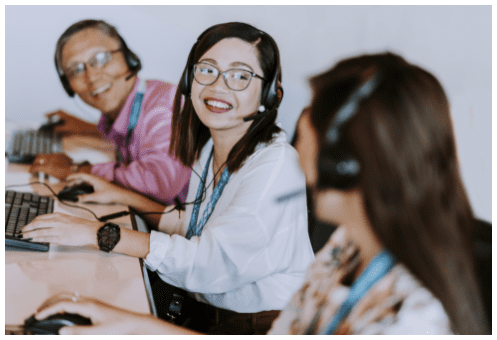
[139, 224]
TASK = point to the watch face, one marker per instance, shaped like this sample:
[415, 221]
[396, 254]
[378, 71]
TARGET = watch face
[108, 236]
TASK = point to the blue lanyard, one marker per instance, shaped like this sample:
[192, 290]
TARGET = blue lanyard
[133, 118]
[195, 229]
[136, 109]
[377, 269]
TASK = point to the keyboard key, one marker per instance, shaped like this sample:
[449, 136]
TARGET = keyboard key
[7, 209]
[10, 231]
[50, 205]
[23, 217]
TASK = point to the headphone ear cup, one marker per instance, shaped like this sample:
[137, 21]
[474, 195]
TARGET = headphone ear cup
[131, 61]
[63, 79]
[184, 84]
[187, 78]
[337, 167]
[270, 94]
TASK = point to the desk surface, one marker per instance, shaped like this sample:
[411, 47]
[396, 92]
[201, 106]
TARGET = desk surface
[32, 277]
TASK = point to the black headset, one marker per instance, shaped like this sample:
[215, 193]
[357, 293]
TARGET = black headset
[132, 61]
[338, 167]
[269, 97]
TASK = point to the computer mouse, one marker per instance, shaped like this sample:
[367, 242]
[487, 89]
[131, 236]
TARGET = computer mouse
[71, 193]
[53, 323]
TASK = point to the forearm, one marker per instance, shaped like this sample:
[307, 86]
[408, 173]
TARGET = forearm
[133, 243]
[156, 176]
[158, 180]
[89, 129]
[152, 325]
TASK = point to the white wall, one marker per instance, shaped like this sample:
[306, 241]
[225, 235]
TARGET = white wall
[452, 42]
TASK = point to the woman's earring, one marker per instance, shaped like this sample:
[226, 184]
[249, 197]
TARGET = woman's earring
[262, 108]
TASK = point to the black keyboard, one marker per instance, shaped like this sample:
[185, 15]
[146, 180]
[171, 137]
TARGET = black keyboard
[26, 144]
[20, 209]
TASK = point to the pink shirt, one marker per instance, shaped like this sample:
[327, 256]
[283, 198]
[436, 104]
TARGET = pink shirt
[148, 167]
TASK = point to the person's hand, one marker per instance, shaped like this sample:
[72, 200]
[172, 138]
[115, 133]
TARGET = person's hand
[104, 191]
[105, 318]
[57, 165]
[72, 125]
[62, 229]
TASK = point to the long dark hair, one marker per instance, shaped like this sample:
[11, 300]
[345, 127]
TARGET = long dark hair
[402, 137]
[189, 134]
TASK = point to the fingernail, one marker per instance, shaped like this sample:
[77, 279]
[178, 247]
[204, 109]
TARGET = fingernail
[65, 331]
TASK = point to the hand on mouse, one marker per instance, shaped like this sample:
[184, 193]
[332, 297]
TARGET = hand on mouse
[62, 229]
[73, 125]
[105, 318]
[105, 191]
[57, 165]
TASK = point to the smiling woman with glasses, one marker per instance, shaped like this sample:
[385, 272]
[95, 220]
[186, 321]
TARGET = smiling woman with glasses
[94, 63]
[238, 250]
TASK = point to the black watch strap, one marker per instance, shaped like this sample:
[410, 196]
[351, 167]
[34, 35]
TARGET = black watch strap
[108, 236]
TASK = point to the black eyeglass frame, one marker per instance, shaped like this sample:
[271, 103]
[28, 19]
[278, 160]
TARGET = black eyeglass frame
[69, 73]
[252, 74]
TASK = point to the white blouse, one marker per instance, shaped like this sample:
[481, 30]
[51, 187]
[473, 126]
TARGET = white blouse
[253, 252]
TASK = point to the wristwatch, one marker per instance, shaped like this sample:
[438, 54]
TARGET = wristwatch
[108, 236]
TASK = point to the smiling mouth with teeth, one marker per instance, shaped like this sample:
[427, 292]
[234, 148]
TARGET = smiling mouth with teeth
[101, 90]
[217, 106]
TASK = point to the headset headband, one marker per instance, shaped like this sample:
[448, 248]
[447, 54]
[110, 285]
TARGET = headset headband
[349, 109]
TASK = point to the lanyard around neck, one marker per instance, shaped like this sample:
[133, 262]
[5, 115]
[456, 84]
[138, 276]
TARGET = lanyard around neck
[136, 109]
[377, 269]
[133, 118]
[195, 229]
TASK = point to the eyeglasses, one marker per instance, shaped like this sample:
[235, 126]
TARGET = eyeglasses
[99, 60]
[236, 79]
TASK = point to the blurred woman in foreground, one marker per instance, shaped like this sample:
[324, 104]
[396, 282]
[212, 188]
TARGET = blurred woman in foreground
[382, 162]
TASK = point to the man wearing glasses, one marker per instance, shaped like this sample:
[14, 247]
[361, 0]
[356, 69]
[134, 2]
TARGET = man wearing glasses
[94, 62]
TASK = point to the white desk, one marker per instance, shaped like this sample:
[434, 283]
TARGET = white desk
[32, 277]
